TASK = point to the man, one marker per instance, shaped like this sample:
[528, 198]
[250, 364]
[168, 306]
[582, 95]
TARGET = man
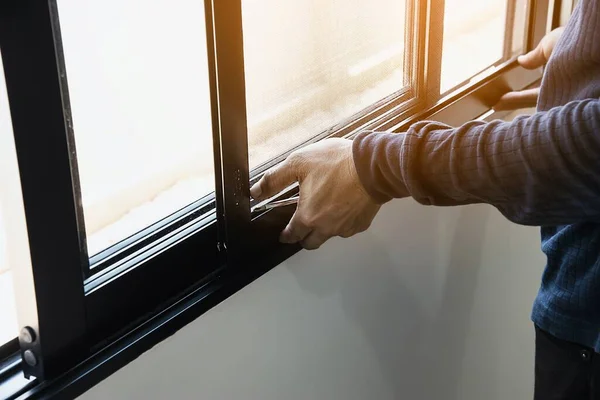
[541, 170]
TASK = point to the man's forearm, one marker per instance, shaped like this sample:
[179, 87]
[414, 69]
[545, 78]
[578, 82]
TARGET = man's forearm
[537, 170]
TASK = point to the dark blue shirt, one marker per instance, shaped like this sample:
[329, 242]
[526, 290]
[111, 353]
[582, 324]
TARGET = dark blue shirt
[541, 170]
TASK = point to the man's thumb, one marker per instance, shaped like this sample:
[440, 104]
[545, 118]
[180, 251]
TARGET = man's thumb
[274, 181]
[534, 59]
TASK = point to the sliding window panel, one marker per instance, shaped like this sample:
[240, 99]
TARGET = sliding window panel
[139, 89]
[309, 70]
[479, 36]
[287, 74]
[50, 297]
[312, 65]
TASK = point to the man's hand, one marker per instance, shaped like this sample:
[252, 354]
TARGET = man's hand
[532, 60]
[332, 200]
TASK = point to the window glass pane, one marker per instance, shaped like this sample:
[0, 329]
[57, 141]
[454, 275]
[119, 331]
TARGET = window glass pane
[311, 64]
[12, 219]
[8, 314]
[138, 83]
[478, 35]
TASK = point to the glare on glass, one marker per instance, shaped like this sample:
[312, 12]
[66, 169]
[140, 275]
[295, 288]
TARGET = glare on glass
[312, 64]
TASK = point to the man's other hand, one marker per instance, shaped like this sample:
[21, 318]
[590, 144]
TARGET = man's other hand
[332, 200]
[536, 58]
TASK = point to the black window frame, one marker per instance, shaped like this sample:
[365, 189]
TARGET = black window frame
[201, 254]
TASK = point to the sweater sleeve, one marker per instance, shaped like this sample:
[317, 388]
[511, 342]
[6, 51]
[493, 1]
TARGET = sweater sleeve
[538, 170]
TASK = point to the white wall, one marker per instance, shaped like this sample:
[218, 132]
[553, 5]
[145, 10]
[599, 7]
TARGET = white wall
[428, 304]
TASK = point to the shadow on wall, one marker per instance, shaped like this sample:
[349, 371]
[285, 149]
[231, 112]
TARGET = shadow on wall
[421, 348]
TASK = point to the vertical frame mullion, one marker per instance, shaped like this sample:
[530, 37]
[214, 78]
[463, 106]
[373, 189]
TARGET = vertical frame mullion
[414, 41]
[216, 134]
[434, 40]
[538, 18]
[50, 296]
[230, 126]
[509, 30]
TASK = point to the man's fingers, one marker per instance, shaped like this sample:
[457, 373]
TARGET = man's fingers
[314, 240]
[349, 233]
[515, 100]
[534, 59]
[274, 181]
[295, 231]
